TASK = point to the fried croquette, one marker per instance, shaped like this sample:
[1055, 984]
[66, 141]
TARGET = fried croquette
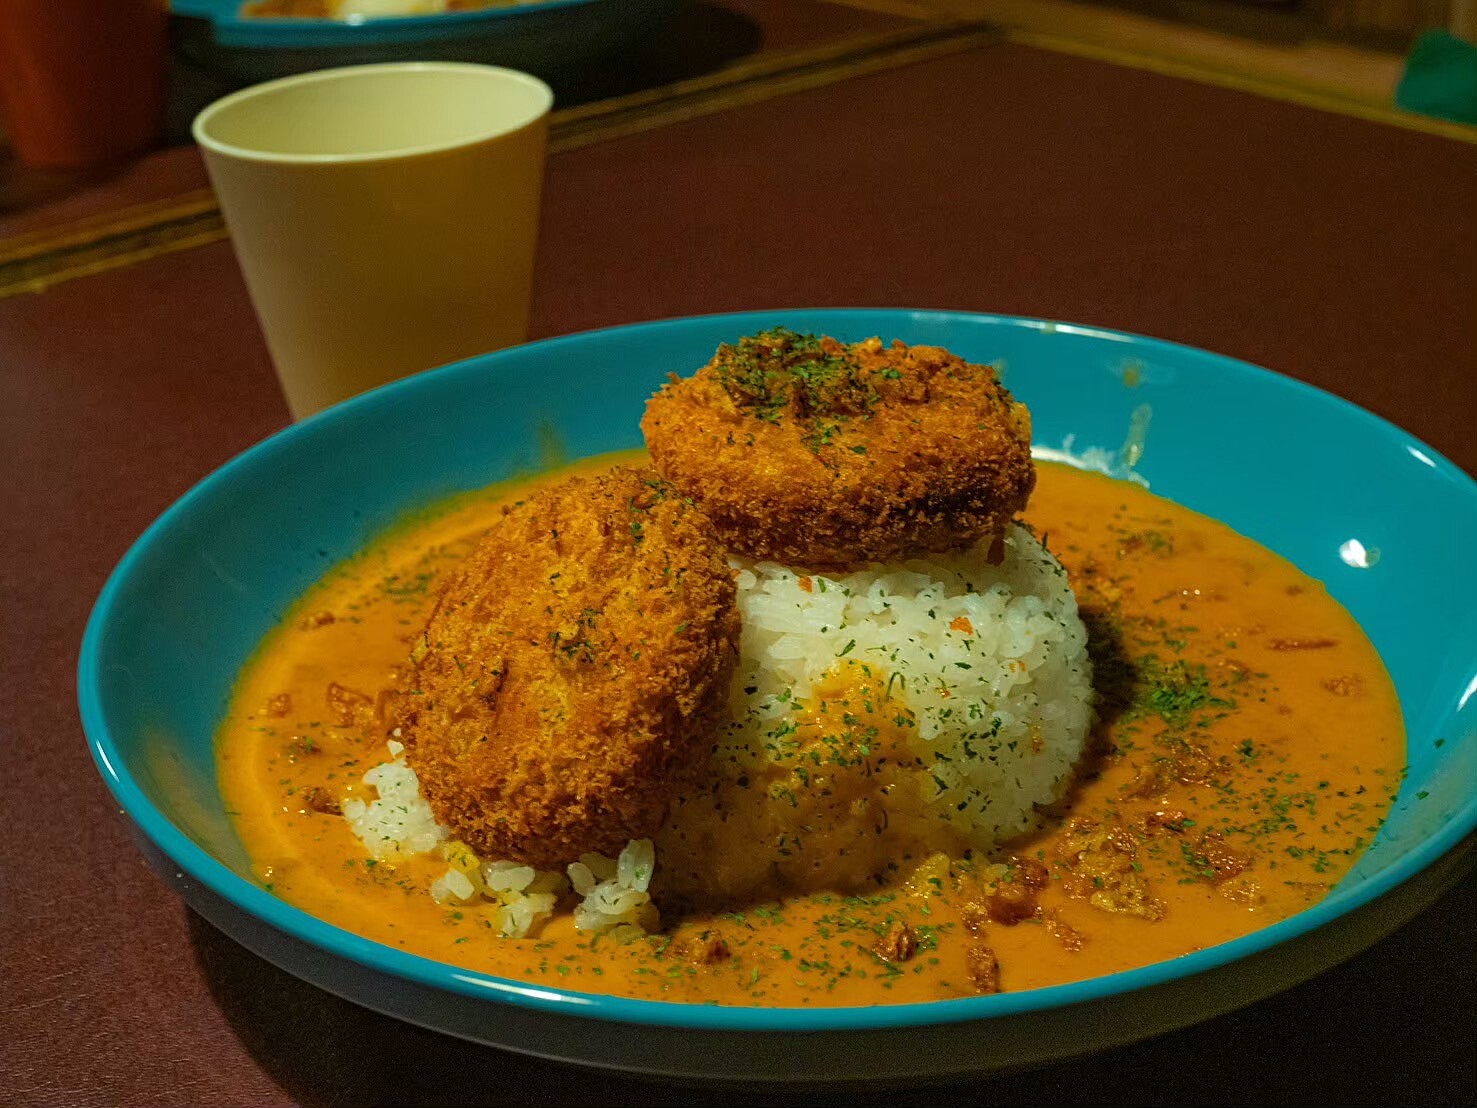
[809, 451]
[572, 669]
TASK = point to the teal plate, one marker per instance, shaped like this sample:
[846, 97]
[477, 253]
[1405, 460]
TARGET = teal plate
[1302, 472]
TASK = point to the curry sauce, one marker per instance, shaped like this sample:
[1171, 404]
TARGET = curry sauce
[1248, 748]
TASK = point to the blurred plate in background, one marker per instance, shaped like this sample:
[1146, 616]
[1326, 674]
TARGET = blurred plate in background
[542, 38]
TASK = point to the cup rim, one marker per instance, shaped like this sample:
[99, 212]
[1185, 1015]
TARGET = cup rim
[199, 128]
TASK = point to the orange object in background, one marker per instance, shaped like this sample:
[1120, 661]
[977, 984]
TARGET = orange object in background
[82, 81]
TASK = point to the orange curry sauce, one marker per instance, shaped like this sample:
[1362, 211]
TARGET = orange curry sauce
[1249, 747]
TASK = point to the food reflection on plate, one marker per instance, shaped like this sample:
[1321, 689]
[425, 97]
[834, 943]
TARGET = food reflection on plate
[834, 698]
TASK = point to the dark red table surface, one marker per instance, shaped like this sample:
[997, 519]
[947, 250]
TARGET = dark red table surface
[1005, 179]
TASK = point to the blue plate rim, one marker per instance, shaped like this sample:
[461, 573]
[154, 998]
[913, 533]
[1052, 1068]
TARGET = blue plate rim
[256, 901]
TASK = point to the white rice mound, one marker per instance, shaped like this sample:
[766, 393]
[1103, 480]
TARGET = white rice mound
[1002, 709]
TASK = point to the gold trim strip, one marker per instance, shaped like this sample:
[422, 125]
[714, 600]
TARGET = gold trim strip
[35, 262]
[1304, 96]
[94, 228]
[838, 62]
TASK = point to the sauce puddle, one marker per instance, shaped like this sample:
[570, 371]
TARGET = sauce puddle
[1250, 746]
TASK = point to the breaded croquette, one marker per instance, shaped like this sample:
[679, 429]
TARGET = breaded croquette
[570, 672]
[812, 452]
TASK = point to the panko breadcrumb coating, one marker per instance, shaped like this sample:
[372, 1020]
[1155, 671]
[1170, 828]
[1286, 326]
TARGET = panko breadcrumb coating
[570, 672]
[812, 452]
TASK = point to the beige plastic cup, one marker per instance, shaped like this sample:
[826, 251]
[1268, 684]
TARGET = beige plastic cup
[385, 216]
